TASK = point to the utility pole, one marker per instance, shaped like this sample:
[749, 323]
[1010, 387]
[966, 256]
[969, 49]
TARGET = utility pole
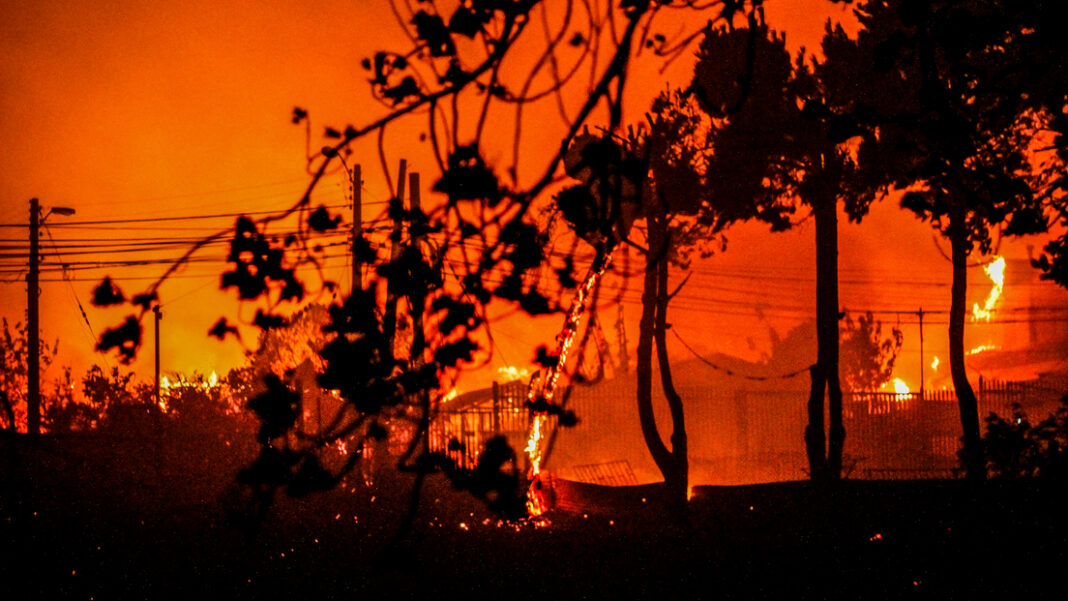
[398, 221]
[416, 304]
[357, 228]
[33, 351]
[33, 317]
[156, 312]
[922, 365]
[389, 324]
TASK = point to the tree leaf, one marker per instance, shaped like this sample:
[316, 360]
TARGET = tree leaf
[107, 294]
[431, 29]
[126, 339]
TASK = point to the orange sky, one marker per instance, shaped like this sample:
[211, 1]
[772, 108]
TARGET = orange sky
[131, 109]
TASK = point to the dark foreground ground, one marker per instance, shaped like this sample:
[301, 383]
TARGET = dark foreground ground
[79, 533]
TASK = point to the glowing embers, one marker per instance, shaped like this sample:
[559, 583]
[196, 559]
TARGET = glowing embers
[996, 272]
[543, 388]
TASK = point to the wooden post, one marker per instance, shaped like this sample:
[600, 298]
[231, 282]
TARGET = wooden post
[496, 407]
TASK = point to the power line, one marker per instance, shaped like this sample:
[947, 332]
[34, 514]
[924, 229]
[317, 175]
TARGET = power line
[75, 224]
[735, 273]
[731, 372]
[155, 243]
[697, 297]
[73, 292]
[177, 218]
[21, 242]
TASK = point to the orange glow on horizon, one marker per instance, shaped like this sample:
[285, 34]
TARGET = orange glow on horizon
[185, 110]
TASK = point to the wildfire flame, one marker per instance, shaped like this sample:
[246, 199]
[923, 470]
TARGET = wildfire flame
[533, 448]
[511, 373]
[210, 382]
[900, 387]
[547, 384]
[534, 451]
[996, 272]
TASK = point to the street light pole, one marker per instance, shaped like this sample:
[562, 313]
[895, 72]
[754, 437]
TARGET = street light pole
[33, 333]
[33, 350]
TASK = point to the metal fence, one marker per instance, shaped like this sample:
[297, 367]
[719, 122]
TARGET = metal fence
[460, 428]
[737, 436]
[917, 435]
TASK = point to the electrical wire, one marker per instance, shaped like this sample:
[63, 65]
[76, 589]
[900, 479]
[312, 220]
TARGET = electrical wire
[778, 285]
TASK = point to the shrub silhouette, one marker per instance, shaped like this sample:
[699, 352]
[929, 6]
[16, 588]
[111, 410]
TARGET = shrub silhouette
[1015, 448]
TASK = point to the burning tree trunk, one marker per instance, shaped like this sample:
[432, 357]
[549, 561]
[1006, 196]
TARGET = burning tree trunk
[974, 466]
[541, 392]
[672, 463]
[825, 448]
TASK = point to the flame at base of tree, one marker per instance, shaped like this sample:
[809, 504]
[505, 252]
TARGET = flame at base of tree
[543, 388]
[534, 450]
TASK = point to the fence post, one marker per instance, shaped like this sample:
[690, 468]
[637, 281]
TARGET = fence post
[496, 407]
[981, 397]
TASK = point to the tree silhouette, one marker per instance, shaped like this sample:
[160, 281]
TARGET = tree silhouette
[934, 84]
[125, 404]
[1014, 448]
[778, 141]
[468, 64]
[63, 413]
[627, 179]
[13, 346]
[656, 176]
[292, 352]
[1039, 81]
[867, 359]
